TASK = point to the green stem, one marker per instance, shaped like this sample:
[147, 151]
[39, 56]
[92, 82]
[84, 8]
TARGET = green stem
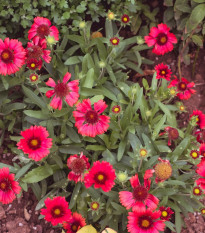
[140, 165]
[41, 94]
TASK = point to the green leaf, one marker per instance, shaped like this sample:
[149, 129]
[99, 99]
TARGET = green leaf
[138, 100]
[121, 149]
[197, 40]
[158, 127]
[180, 148]
[75, 38]
[90, 78]
[23, 170]
[171, 226]
[73, 135]
[74, 195]
[12, 107]
[36, 114]
[118, 207]
[72, 60]
[11, 168]
[40, 204]
[178, 222]
[154, 82]
[58, 160]
[134, 141]
[96, 147]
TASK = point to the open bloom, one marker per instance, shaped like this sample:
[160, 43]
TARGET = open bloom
[116, 109]
[63, 90]
[8, 186]
[200, 136]
[34, 64]
[102, 175]
[166, 213]
[78, 165]
[200, 120]
[125, 18]
[197, 191]
[56, 210]
[161, 39]
[41, 28]
[201, 168]
[202, 149]
[145, 221]
[163, 71]
[139, 197]
[184, 88]
[194, 154]
[201, 182]
[35, 142]
[88, 121]
[74, 224]
[115, 40]
[12, 56]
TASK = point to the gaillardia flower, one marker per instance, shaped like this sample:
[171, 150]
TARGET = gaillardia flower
[163, 71]
[63, 90]
[96, 35]
[56, 210]
[200, 120]
[34, 64]
[194, 154]
[74, 224]
[139, 197]
[102, 175]
[200, 135]
[166, 213]
[125, 18]
[35, 142]
[201, 182]
[173, 134]
[116, 109]
[161, 39]
[202, 149]
[201, 168]
[41, 28]
[12, 56]
[184, 88]
[78, 165]
[197, 191]
[8, 186]
[90, 122]
[163, 170]
[145, 221]
[114, 40]
[33, 78]
[203, 211]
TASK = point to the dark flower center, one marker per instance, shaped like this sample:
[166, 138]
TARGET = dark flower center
[91, 117]
[100, 178]
[61, 90]
[57, 212]
[35, 52]
[34, 143]
[140, 193]
[7, 56]
[163, 72]
[145, 222]
[182, 86]
[43, 30]
[4, 185]
[74, 227]
[161, 39]
[78, 165]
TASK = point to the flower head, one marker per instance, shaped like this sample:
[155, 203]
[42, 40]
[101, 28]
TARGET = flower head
[203, 211]
[200, 118]
[74, 224]
[201, 168]
[163, 71]
[33, 78]
[173, 134]
[111, 15]
[145, 221]
[89, 121]
[56, 210]
[202, 149]
[194, 154]
[102, 175]
[114, 40]
[35, 142]
[197, 191]
[12, 56]
[139, 197]
[116, 109]
[41, 28]
[63, 90]
[200, 136]
[82, 24]
[34, 64]
[96, 35]
[125, 18]
[161, 39]
[201, 182]
[163, 170]
[8, 186]
[122, 176]
[78, 165]
[184, 88]
[166, 213]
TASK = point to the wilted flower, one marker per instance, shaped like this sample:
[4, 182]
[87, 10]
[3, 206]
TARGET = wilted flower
[163, 170]
[96, 35]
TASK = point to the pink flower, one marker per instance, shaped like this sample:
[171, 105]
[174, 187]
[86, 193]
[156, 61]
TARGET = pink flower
[63, 90]
[139, 197]
[201, 168]
[90, 122]
[163, 71]
[102, 175]
[12, 56]
[56, 210]
[35, 142]
[166, 213]
[202, 149]
[200, 120]
[41, 28]
[78, 165]
[201, 182]
[74, 224]
[8, 186]
[161, 39]
[145, 221]
[183, 87]
[200, 134]
[37, 50]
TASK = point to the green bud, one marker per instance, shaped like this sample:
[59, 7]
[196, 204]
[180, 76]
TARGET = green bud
[82, 25]
[140, 40]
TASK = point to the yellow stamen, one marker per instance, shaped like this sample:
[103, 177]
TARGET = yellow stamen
[145, 223]
[194, 154]
[57, 212]
[74, 228]
[163, 39]
[114, 41]
[163, 72]
[100, 177]
[3, 185]
[33, 65]
[143, 152]
[164, 213]
[196, 190]
[95, 205]
[5, 55]
[34, 142]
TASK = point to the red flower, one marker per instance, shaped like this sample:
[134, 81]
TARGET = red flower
[200, 120]
[173, 134]
[37, 50]
[35, 143]
[125, 18]
[116, 109]
[74, 223]
[201, 182]
[63, 90]
[102, 175]
[139, 197]
[115, 40]
[194, 154]
[163, 71]
[201, 168]
[33, 64]
[57, 210]
[166, 213]
[145, 222]
[202, 149]
[90, 122]
[12, 56]
[8, 186]
[161, 39]
[197, 191]
[78, 165]
[183, 88]
[33, 77]
[41, 28]
[200, 136]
